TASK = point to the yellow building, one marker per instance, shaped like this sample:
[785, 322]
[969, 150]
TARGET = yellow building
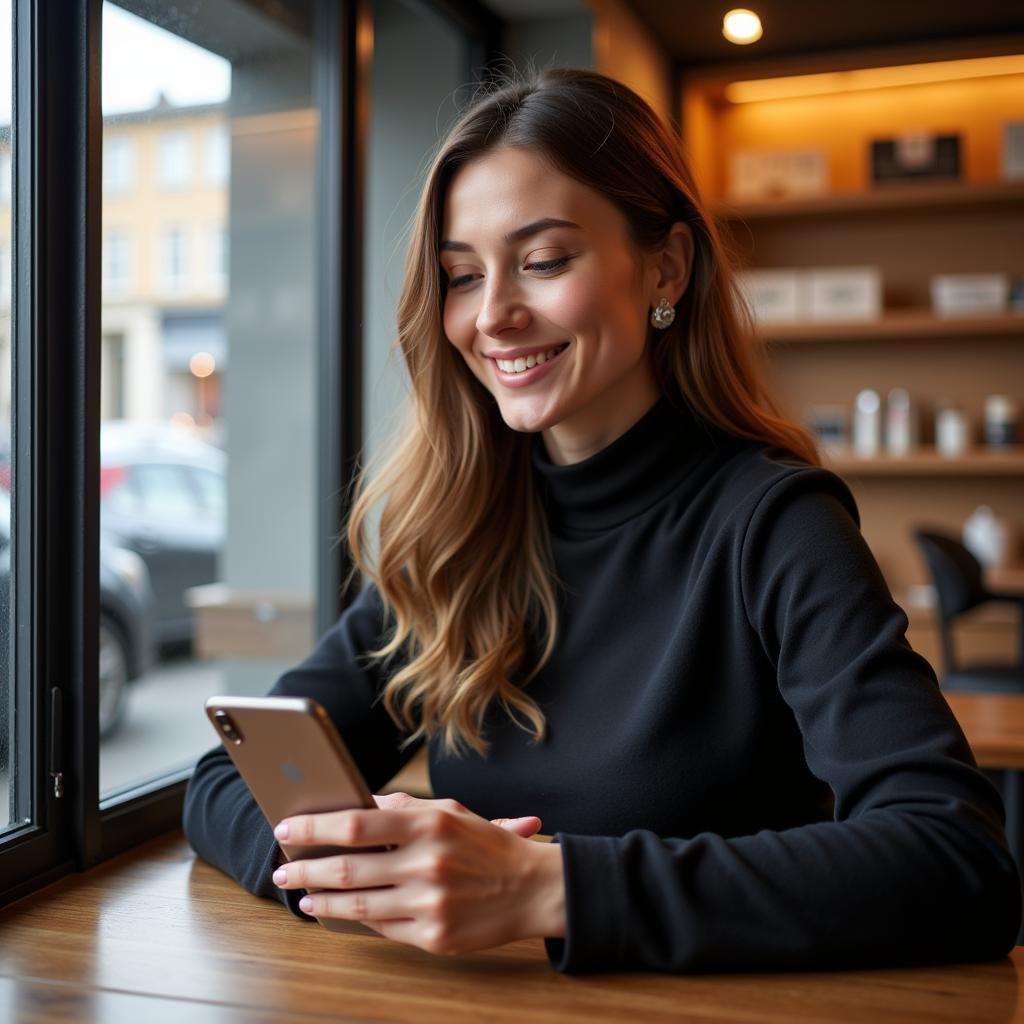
[165, 259]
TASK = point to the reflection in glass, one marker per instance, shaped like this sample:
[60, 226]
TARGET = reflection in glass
[207, 439]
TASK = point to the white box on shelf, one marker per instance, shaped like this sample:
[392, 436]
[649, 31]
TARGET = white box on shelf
[1013, 150]
[774, 296]
[844, 293]
[758, 175]
[969, 294]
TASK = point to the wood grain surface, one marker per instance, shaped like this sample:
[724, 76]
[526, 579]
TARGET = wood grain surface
[994, 726]
[157, 935]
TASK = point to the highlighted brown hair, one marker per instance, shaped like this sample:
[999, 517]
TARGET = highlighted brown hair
[470, 603]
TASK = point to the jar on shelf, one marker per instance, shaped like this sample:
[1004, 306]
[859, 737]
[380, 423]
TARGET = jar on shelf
[1000, 421]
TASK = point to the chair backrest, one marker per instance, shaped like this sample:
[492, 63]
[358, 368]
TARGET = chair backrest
[958, 580]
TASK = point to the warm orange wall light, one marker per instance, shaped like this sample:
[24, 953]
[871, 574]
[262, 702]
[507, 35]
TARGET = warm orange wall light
[872, 78]
[741, 26]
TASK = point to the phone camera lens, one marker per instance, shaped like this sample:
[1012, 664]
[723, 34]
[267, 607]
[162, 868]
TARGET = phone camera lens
[227, 726]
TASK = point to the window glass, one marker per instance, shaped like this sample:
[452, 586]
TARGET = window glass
[208, 434]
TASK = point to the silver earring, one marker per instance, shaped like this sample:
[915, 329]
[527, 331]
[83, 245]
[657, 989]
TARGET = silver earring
[663, 314]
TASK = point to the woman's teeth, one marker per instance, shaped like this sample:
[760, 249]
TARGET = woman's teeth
[520, 364]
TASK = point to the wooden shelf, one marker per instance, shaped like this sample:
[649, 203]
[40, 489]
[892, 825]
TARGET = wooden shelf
[910, 324]
[928, 462]
[919, 196]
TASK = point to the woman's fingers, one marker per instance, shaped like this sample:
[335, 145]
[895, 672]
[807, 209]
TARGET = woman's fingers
[343, 871]
[358, 905]
[524, 827]
[355, 827]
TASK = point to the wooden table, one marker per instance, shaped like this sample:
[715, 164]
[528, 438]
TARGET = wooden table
[1007, 580]
[994, 726]
[157, 937]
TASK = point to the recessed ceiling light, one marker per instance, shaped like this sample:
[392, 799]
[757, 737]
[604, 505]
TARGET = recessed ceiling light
[741, 26]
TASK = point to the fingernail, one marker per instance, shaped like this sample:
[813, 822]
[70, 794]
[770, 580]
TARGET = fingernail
[281, 832]
[305, 904]
[280, 876]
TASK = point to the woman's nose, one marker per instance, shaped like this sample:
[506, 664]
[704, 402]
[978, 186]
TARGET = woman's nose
[502, 308]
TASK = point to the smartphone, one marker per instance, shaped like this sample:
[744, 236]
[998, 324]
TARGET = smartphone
[294, 762]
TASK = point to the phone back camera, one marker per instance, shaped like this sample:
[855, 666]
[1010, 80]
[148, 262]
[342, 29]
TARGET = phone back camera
[227, 726]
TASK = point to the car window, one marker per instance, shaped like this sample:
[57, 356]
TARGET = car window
[210, 486]
[164, 490]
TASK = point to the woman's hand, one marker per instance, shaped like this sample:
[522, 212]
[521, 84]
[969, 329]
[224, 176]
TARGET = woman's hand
[454, 882]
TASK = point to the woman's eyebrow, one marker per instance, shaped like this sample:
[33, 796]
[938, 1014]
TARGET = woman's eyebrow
[514, 236]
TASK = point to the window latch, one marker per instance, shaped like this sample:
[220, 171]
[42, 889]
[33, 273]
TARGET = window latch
[56, 740]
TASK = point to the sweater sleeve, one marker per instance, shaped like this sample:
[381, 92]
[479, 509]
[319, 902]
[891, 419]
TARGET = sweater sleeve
[914, 868]
[223, 822]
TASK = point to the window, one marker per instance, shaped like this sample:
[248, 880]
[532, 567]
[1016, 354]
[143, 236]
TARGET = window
[263, 484]
[174, 160]
[172, 259]
[118, 165]
[216, 154]
[117, 269]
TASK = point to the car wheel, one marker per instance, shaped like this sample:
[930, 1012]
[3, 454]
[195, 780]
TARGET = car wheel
[113, 675]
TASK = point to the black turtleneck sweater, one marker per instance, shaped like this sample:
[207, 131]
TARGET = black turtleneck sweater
[747, 766]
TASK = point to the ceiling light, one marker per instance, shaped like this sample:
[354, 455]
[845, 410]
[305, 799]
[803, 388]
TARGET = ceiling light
[741, 26]
[872, 78]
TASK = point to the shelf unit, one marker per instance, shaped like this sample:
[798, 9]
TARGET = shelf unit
[897, 325]
[911, 232]
[935, 196]
[928, 462]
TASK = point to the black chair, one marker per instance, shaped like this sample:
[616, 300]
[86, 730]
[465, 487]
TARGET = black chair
[960, 586]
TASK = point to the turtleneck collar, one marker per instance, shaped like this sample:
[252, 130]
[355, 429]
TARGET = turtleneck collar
[628, 475]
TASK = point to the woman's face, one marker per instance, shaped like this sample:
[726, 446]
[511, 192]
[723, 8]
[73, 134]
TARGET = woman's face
[548, 301]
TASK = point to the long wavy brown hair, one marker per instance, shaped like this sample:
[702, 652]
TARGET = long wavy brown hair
[468, 603]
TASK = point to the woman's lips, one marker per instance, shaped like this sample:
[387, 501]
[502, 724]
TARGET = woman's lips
[526, 377]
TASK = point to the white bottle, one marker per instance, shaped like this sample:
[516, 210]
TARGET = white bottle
[987, 537]
[900, 423]
[951, 431]
[867, 424]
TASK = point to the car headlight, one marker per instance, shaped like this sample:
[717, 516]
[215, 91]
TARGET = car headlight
[130, 567]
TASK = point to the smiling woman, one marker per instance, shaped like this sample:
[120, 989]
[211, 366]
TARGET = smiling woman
[618, 597]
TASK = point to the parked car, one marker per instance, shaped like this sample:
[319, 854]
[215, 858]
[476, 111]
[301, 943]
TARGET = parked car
[125, 634]
[162, 495]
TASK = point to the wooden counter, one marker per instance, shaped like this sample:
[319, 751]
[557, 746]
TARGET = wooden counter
[158, 936]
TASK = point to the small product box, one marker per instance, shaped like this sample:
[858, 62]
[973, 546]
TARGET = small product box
[844, 293]
[970, 294]
[774, 296]
[765, 175]
[915, 156]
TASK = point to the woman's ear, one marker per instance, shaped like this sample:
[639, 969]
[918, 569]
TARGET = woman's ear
[672, 264]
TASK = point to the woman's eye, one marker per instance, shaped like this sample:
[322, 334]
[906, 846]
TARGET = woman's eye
[541, 266]
[547, 265]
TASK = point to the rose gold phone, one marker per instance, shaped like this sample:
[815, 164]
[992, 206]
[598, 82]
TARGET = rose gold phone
[294, 762]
